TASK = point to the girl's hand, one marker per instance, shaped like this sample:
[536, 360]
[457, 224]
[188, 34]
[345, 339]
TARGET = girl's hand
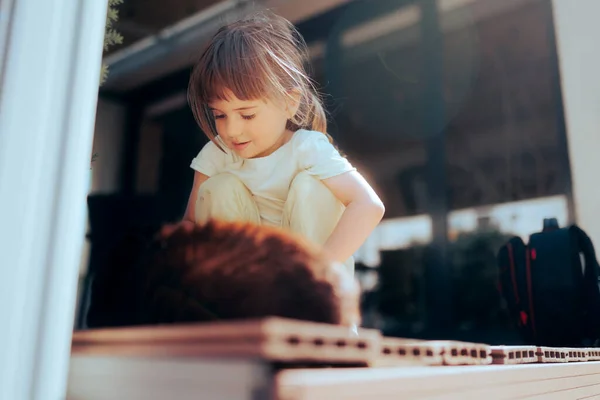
[199, 179]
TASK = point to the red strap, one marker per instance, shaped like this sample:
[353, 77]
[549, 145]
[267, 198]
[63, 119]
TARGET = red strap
[529, 291]
[523, 318]
[513, 276]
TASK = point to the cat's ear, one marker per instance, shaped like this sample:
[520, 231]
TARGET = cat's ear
[168, 229]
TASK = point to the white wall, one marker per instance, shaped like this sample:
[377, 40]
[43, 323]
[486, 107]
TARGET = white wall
[578, 36]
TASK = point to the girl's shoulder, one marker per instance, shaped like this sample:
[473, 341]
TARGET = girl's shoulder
[305, 134]
[304, 139]
[318, 156]
[212, 159]
[218, 149]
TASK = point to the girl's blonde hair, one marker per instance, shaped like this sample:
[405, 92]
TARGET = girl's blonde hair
[258, 57]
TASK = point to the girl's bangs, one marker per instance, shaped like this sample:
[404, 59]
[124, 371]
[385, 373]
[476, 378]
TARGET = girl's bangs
[234, 72]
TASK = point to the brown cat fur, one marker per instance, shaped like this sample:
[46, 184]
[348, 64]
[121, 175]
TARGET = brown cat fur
[221, 271]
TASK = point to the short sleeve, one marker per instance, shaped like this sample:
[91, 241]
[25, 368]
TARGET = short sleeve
[320, 158]
[210, 161]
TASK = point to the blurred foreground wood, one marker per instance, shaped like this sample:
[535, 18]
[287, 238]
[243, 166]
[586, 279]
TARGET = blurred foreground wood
[288, 360]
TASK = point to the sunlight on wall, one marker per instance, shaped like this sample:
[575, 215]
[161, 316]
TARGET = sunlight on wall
[520, 218]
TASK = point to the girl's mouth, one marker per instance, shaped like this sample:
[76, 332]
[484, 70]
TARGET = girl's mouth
[241, 145]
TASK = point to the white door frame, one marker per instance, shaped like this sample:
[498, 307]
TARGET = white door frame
[577, 35]
[48, 94]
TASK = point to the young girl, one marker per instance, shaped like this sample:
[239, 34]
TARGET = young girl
[269, 160]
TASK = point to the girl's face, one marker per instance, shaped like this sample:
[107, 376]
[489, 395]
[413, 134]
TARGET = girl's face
[251, 128]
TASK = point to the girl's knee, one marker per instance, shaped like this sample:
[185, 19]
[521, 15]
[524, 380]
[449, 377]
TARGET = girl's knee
[311, 209]
[225, 197]
[304, 184]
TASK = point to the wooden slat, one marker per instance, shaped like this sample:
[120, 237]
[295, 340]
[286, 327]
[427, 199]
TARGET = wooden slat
[464, 353]
[272, 339]
[511, 355]
[593, 354]
[553, 355]
[578, 354]
[447, 383]
[160, 378]
[395, 352]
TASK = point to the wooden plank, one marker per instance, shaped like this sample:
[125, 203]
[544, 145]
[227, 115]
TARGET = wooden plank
[593, 354]
[464, 353]
[561, 389]
[272, 339]
[489, 382]
[511, 355]
[578, 354]
[159, 378]
[216, 330]
[397, 352]
[554, 355]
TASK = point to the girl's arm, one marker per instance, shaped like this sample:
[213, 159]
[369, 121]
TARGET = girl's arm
[363, 212]
[199, 179]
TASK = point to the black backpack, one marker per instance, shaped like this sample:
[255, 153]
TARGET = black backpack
[551, 286]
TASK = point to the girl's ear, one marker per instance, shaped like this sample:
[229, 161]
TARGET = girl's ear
[293, 102]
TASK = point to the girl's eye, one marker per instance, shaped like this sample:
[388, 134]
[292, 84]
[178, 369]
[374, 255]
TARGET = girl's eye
[248, 116]
[219, 116]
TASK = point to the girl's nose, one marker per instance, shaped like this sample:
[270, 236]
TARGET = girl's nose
[233, 129]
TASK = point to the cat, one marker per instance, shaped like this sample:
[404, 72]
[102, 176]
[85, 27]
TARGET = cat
[220, 271]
